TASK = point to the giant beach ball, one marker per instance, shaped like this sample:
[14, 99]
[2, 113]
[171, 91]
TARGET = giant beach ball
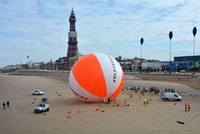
[96, 77]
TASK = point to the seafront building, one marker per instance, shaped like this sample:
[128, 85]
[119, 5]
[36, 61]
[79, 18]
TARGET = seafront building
[181, 63]
[137, 64]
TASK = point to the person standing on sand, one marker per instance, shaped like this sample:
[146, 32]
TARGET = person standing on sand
[8, 103]
[4, 105]
[185, 107]
[143, 91]
[188, 106]
[144, 100]
[109, 100]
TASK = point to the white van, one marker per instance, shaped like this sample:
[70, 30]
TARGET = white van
[171, 96]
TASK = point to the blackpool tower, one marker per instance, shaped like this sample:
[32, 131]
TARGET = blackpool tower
[72, 37]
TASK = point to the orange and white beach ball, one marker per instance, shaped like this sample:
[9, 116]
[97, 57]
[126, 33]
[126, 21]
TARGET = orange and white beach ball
[96, 77]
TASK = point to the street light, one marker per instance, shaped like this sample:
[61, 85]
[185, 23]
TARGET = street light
[194, 33]
[170, 37]
[141, 42]
[27, 57]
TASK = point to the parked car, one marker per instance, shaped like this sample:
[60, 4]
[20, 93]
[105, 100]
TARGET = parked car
[165, 71]
[171, 96]
[42, 107]
[182, 71]
[44, 99]
[37, 92]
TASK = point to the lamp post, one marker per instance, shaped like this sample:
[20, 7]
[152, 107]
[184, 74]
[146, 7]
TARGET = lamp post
[27, 61]
[141, 42]
[170, 37]
[194, 33]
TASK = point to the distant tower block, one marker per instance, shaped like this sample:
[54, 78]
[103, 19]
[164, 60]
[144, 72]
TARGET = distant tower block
[72, 34]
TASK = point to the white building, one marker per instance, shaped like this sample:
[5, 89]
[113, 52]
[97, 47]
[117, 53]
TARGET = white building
[153, 66]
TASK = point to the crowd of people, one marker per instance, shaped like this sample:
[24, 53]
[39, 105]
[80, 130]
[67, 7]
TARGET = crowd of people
[144, 89]
[156, 91]
[169, 90]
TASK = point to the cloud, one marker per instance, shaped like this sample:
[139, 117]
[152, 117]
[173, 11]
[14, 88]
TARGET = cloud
[40, 28]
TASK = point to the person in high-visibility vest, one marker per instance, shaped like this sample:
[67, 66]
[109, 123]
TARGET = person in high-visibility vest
[185, 107]
[188, 106]
[156, 90]
[144, 100]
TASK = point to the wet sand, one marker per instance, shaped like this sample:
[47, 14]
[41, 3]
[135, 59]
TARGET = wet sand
[154, 118]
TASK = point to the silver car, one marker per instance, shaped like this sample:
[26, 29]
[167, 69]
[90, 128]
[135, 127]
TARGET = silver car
[42, 107]
[37, 92]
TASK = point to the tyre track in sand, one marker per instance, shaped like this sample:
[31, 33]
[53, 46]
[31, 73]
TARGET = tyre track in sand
[28, 120]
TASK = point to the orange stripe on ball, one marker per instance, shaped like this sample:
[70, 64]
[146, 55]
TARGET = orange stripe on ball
[89, 74]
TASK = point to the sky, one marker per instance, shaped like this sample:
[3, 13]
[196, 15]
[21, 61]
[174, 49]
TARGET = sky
[39, 28]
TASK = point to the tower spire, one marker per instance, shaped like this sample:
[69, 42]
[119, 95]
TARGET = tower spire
[72, 12]
[72, 20]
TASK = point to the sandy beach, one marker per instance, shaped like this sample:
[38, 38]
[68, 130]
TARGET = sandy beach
[154, 118]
